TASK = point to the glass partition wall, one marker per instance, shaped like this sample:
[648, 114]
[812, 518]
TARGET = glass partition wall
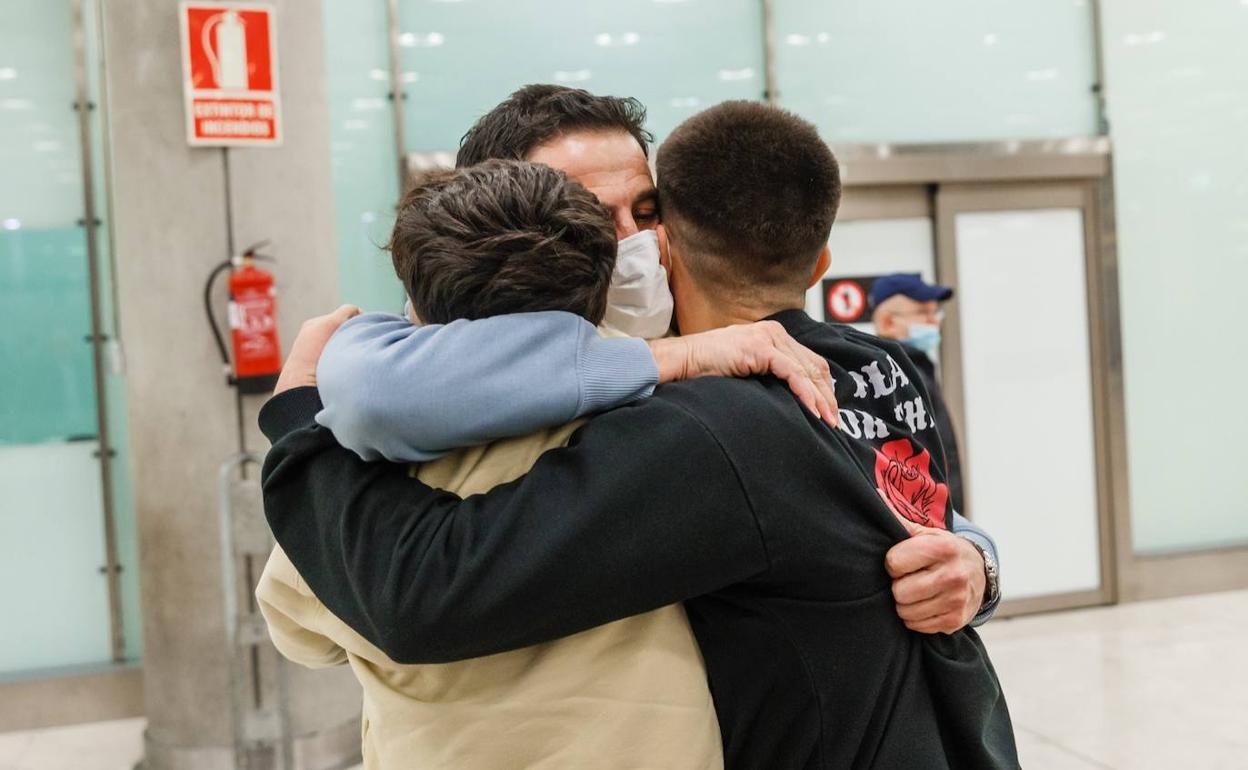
[363, 158]
[954, 71]
[66, 525]
[676, 57]
[1176, 88]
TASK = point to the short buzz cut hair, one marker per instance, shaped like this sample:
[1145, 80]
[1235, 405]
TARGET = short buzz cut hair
[538, 113]
[503, 236]
[749, 194]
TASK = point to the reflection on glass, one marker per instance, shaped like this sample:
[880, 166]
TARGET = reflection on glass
[676, 57]
[958, 70]
[51, 521]
[46, 382]
[47, 388]
[362, 150]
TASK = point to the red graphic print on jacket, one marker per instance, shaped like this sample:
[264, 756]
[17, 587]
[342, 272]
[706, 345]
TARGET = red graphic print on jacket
[904, 480]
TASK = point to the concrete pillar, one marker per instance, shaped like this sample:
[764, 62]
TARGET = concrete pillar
[169, 203]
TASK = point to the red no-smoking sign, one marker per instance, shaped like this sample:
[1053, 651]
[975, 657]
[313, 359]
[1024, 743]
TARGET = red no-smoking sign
[846, 300]
[229, 65]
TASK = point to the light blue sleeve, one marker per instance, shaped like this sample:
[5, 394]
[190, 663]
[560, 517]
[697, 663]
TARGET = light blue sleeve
[396, 391]
[962, 527]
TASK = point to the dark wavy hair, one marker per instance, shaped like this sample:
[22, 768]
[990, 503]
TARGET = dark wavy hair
[539, 112]
[503, 236]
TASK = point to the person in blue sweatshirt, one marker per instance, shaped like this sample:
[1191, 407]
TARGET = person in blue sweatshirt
[777, 531]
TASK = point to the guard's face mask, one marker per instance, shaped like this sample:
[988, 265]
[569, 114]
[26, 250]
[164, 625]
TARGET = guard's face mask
[925, 337]
[639, 302]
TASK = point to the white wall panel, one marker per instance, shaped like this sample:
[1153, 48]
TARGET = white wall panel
[1028, 392]
[1177, 91]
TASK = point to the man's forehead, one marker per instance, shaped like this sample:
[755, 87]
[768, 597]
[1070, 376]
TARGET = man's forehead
[900, 303]
[597, 159]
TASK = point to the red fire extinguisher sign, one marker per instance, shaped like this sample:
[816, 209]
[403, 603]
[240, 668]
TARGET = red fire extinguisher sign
[229, 65]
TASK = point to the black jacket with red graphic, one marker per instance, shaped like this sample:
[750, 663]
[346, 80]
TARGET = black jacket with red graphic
[724, 494]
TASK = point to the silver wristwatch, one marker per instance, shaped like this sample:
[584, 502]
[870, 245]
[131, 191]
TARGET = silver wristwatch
[992, 577]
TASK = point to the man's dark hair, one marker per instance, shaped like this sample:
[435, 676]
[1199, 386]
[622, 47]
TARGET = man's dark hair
[501, 237]
[537, 113]
[749, 195]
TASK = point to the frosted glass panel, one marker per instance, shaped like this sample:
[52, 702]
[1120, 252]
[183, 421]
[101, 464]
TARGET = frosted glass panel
[51, 536]
[55, 599]
[41, 182]
[677, 57]
[47, 390]
[1028, 392]
[1177, 85]
[954, 70]
[362, 151]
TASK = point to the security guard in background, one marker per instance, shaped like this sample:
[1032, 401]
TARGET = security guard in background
[906, 309]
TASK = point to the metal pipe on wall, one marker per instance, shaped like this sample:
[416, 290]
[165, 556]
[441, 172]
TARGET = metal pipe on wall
[770, 91]
[91, 226]
[1117, 530]
[397, 97]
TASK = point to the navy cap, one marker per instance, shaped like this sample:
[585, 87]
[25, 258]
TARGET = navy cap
[911, 285]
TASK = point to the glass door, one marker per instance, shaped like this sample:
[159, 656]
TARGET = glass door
[1025, 374]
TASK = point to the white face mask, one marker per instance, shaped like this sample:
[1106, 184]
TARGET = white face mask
[639, 302]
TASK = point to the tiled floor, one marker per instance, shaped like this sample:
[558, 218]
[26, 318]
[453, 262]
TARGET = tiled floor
[1147, 685]
[1159, 685]
[116, 745]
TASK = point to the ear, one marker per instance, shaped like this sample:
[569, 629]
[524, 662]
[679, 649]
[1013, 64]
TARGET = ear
[821, 265]
[665, 254]
[882, 322]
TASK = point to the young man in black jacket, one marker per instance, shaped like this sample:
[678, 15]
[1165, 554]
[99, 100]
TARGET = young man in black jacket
[724, 494]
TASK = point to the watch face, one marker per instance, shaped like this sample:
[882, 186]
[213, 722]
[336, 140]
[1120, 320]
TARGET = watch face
[992, 584]
[990, 571]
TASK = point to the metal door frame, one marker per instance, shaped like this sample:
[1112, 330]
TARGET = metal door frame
[876, 202]
[955, 199]
[91, 224]
[881, 182]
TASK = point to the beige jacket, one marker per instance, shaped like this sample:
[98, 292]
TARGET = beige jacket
[630, 695]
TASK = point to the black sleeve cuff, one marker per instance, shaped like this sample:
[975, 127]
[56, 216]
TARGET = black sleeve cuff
[287, 412]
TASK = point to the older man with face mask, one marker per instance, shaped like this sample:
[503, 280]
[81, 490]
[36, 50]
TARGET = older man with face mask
[600, 142]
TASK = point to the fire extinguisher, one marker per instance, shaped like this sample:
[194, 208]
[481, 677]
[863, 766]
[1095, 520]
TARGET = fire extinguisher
[252, 313]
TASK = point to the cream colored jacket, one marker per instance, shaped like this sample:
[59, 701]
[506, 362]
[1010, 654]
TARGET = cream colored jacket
[629, 695]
